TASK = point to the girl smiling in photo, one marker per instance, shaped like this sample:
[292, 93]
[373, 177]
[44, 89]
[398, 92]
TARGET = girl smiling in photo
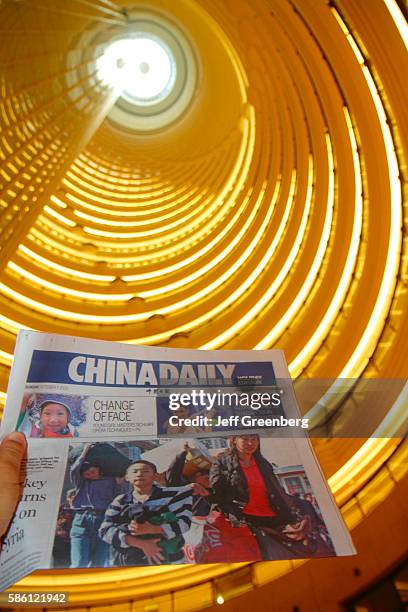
[54, 420]
[45, 415]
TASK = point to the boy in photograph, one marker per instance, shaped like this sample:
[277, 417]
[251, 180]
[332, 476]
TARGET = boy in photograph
[145, 525]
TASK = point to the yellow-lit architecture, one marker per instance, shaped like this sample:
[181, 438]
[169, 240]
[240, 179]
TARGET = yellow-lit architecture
[257, 202]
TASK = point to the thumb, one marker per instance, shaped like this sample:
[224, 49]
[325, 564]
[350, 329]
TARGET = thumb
[12, 452]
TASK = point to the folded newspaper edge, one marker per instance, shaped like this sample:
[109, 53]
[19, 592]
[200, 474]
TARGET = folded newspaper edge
[144, 455]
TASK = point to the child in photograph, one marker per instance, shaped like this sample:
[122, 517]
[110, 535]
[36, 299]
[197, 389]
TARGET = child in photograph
[145, 526]
[51, 416]
[94, 491]
[54, 420]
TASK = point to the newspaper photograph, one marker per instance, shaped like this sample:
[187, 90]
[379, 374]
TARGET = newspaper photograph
[145, 456]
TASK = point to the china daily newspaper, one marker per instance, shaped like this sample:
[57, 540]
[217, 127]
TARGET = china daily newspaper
[148, 456]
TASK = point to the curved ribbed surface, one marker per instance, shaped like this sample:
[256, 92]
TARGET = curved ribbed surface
[270, 215]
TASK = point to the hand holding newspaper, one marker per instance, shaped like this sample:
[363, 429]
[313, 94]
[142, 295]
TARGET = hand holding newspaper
[147, 456]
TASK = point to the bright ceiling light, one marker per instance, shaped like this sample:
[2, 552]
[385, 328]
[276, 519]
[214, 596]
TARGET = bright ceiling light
[142, 68]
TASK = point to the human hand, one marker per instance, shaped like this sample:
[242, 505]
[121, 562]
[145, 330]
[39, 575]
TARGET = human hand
[138, 529]
[12, 451]
[198, 489]
[297, 531]
[152, 551]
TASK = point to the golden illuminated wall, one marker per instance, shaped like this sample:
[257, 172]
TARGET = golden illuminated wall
[270, 214]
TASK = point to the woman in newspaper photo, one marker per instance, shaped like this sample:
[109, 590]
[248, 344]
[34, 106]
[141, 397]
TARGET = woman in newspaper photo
[145, 526]
[247, 492]
[212, 538]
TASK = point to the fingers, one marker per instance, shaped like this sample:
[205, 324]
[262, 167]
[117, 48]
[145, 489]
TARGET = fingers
[12, 452]
[159, 554]
[153, 552]
[134, 527]
[198, 489]
[155, 558]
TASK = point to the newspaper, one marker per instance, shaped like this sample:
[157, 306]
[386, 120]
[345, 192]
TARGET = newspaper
[145, 456]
